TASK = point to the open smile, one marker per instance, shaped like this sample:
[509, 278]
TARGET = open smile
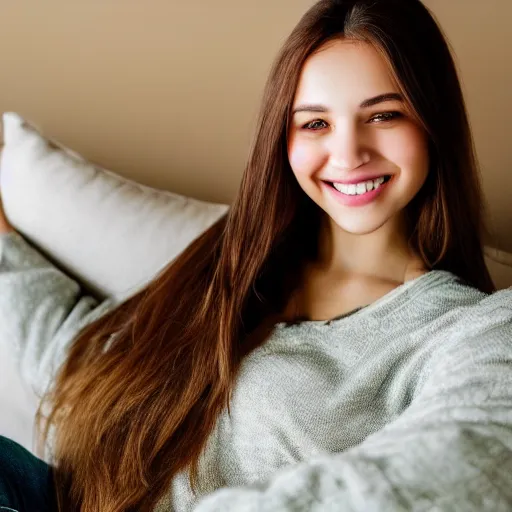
[358, 194]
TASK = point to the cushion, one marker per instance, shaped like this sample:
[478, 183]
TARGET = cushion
[88, 219]
[499, 264]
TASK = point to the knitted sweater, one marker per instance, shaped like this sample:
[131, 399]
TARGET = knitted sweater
[403, 405]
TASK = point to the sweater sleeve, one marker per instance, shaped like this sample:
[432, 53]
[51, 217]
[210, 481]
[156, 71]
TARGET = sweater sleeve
[450, 450]
[41, 310]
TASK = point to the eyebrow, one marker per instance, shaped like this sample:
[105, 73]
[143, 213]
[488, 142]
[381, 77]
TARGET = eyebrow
[381, 98]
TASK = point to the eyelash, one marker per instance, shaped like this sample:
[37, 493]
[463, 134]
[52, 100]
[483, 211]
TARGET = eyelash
[385, 117]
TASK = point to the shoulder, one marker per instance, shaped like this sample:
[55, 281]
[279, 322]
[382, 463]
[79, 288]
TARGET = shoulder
[440, 292]
[461, 318]
[474, 310]
[501, 299]
[490, 311]
[482, 330]
[473, 345]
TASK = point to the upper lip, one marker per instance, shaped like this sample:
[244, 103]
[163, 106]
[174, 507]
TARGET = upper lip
[361, 177]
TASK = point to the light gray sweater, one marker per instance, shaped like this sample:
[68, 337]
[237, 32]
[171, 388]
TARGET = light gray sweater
[403, 405]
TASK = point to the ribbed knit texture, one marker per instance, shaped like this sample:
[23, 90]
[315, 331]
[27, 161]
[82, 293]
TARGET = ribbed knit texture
[405, 404]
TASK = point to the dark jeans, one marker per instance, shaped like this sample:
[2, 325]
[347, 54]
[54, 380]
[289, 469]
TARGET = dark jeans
[26, 482]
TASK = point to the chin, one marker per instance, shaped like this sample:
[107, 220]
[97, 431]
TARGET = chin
[360, 227]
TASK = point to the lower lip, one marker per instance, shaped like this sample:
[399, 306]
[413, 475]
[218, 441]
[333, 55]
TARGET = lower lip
[356, 200]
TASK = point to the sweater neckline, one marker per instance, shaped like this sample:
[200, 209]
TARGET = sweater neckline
[414, 286]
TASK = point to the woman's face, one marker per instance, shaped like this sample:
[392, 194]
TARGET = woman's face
[351, 126]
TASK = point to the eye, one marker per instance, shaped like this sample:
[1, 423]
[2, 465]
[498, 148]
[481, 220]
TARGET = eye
[315, 125]
[385, 117]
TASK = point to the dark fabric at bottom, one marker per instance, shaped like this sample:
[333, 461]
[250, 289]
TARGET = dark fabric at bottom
[26, 482]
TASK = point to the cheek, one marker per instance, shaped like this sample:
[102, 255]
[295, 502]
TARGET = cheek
[305, 158]
[409, 151]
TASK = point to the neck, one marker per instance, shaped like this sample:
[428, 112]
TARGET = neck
[384, 254]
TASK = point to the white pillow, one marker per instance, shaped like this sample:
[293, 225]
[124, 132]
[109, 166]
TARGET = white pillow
[111, 233]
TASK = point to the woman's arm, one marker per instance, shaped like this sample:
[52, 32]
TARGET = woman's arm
[450, 450]
[41, 310]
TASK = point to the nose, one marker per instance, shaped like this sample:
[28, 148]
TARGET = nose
[346, 148]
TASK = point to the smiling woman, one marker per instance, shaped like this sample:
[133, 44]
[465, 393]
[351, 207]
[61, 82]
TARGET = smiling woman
[359, 151]
[334, 342]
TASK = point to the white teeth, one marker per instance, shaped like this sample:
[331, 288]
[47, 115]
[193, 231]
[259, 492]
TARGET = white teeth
[359, 188]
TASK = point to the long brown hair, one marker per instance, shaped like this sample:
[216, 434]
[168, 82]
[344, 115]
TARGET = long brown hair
[129, 411]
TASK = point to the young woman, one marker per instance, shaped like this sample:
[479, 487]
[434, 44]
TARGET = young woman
[334, 342]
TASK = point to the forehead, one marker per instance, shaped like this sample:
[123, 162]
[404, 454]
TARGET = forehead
[344, 71]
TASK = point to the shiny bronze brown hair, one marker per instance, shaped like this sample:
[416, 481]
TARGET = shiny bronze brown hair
[127, 415]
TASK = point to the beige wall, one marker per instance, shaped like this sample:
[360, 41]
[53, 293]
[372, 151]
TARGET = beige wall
[166, 92]
[162, 91]
[481, 36]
